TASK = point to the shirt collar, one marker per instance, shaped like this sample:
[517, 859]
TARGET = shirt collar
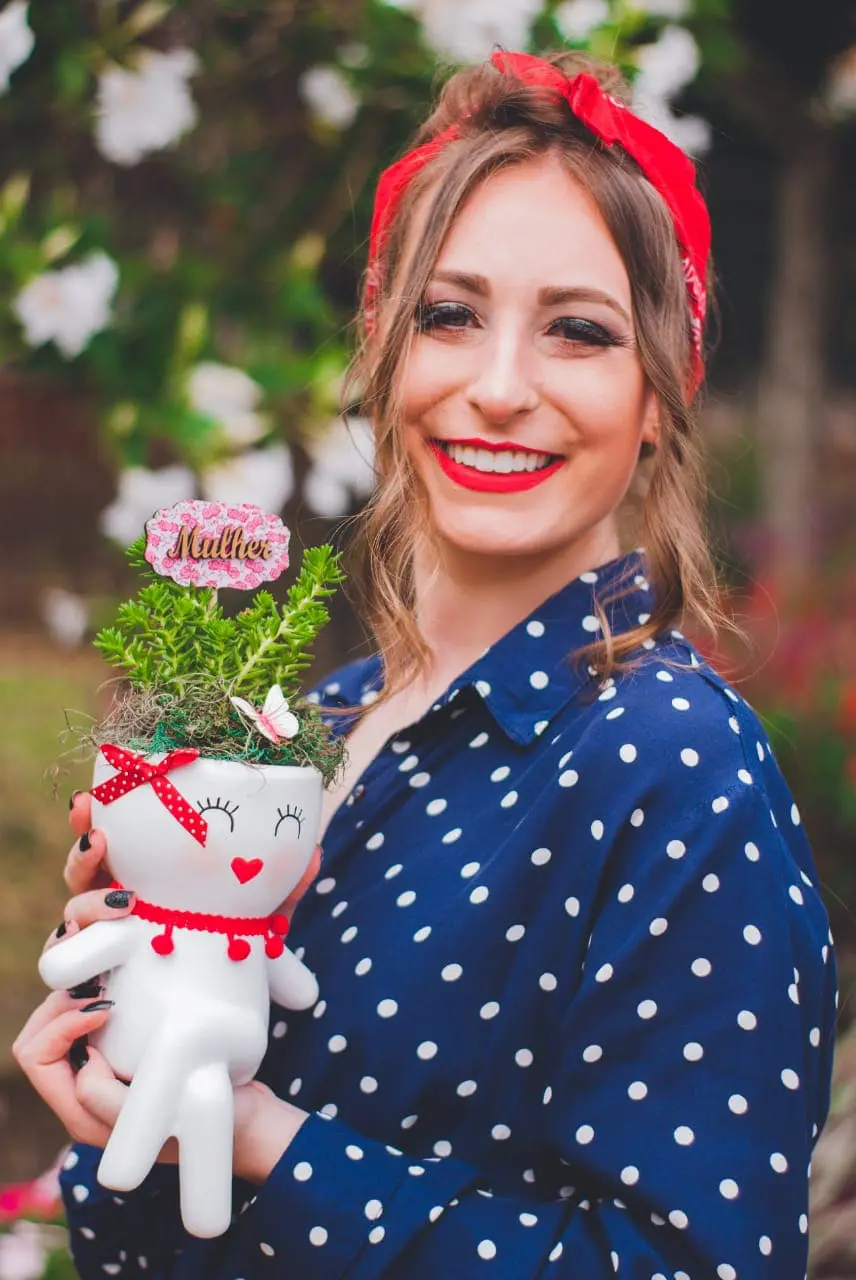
[524, 677]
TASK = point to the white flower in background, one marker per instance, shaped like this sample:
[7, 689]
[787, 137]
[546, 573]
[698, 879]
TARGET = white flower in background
[230, 397]
[68, 306]
[667, 65]
[66, 617]
[691, 133]
[674, 9]
[147, 108]
[342, 467]
[16, 40]
[329, 96]
[576, 19]
[466, 30]
[23, 1255]
[263, 476]
[141, 493]
[839, 94]
[354, 54]
[665, 68]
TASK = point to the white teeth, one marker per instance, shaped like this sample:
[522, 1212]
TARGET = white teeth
[504, 461]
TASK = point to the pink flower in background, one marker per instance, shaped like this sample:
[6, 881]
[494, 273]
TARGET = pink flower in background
[39, 1198]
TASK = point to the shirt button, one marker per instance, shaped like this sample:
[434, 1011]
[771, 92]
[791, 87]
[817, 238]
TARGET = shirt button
[358, 791]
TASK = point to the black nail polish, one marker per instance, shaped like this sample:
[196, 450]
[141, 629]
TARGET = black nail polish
[78, 1054]
[85, 990]
[85, 842]
[97, 1006]
[118, 898]
[61, 929]
[72, 799]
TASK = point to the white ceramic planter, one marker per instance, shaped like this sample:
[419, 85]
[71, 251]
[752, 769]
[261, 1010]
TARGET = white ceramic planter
[191, 1005]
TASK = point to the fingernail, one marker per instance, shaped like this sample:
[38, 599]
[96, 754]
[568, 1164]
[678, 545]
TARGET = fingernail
[61, 929]
[118, 898]
[78, 1054]
[86, 989]
[74, 796]
[97, 1006]
[85, 842]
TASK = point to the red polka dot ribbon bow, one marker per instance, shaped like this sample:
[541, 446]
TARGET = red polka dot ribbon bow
[135, 771]
[664, 164]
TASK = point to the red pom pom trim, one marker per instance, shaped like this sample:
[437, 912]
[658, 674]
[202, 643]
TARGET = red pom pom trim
[163, 943]
[239, 949]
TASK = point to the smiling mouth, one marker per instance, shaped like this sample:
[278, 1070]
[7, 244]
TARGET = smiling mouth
[500, 461]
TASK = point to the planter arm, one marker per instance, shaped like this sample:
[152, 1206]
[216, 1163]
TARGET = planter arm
[292, 985]
[97, 948]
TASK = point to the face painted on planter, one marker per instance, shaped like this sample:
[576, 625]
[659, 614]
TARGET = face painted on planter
[261, 832]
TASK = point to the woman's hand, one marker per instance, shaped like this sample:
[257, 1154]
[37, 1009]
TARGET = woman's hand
[83, 1092]
[72, 1077]
[85, 867]
[265, 1126]
[42, 1052]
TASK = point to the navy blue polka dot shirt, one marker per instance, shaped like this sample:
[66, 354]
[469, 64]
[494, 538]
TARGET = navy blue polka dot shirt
[578, 993]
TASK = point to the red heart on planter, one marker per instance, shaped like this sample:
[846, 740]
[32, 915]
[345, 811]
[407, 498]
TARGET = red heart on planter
[246, 868]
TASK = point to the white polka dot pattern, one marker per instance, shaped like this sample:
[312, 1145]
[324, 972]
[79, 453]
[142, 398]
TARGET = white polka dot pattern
[584, 948]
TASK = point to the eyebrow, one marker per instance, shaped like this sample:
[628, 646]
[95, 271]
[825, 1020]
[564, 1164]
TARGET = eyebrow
[549, 296]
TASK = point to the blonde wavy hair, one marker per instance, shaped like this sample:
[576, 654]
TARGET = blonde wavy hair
[504, 122]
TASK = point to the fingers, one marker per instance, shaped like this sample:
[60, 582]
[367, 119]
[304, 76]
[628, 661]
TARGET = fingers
[86, 908]
[50, 1032]
[41, 1051]
[98, 1090]
[80, 812]
[57, 1002]
[84, 866]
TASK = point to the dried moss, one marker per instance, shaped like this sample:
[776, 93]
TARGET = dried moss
[151, 719]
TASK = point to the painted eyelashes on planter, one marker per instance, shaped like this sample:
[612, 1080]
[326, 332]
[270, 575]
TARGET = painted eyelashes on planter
[290, 812]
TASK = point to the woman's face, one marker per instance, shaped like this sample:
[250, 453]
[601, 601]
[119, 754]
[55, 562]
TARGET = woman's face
[524, 347]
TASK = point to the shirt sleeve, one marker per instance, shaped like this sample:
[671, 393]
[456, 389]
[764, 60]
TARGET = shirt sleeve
[135, 1234]
[689, 1089]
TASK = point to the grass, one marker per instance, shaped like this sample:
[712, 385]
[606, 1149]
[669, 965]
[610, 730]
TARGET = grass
[37, 681]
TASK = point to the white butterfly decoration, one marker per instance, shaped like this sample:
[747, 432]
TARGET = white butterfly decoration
[274, 720]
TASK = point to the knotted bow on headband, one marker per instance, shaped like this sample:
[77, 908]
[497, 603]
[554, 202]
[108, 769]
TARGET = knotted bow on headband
[135, 771]
[664, 164]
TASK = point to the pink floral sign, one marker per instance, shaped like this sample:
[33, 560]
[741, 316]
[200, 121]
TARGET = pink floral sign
[213, 544]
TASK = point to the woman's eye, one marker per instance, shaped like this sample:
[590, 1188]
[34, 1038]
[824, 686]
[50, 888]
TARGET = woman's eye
[441, 315]
[586, 331]
[219, 804]
[291, 811]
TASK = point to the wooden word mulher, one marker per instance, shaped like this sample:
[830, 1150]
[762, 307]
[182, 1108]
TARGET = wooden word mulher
[228, 545]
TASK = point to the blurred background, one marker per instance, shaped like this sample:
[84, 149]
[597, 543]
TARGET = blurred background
[185, 197]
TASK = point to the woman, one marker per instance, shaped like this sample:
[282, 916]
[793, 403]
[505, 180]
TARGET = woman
[578, 987]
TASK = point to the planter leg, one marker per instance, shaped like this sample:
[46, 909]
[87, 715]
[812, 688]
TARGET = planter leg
[205, 1136]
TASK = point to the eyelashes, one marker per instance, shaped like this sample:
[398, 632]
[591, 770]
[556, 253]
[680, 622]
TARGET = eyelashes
[453, 317]
[219, 804]
[291, 811]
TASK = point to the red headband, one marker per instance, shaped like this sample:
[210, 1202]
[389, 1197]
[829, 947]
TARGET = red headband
[664, 164]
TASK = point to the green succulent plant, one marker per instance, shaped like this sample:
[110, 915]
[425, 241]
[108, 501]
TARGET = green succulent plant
[183, 659]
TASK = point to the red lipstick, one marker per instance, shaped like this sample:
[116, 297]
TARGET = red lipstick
[491, 481]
